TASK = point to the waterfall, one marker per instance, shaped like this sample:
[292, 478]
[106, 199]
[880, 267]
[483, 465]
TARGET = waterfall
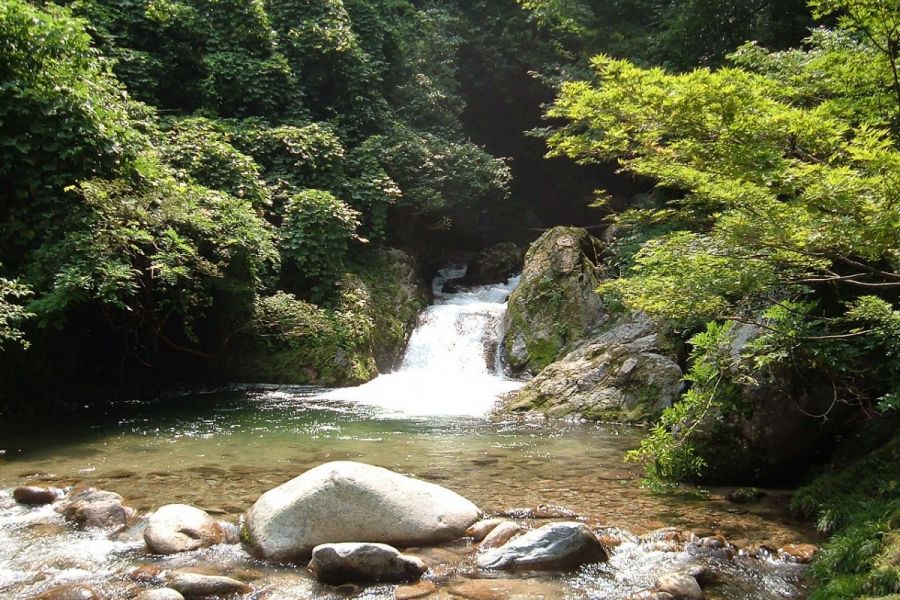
[451, 365]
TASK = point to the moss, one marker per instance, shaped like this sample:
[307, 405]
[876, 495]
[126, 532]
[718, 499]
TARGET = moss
[346, 342]
[858, 505]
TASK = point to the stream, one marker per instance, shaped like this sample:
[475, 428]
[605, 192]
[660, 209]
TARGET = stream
[219, 449]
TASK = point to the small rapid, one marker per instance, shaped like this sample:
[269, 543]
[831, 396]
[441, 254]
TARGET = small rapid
[452, 363]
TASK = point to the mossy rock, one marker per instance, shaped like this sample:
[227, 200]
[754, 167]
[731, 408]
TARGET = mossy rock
[347, 342]
[623, 375]
[556, 303]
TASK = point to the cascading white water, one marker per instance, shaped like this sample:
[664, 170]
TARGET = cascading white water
[449, 367]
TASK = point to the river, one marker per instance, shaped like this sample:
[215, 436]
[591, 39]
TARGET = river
[219, 449]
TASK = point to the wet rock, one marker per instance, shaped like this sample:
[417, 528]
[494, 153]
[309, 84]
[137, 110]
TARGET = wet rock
[419, 589]
[746, 495]
[194, 585]
[146, 574]
[799, 553]
[33, 495]
[479, 530]
[713, 542]
[501, 534]
[74, 591]
[354, 502]
[495, 264]
[95, 508]
[681, 586]
[556, 302]
[555, 546]
[702, 574]
[624, 374]
[504, 589]
[159, 594]
[362, 563]
[652, 595]
[180, 528]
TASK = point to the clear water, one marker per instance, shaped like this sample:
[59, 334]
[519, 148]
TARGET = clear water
[220, 449]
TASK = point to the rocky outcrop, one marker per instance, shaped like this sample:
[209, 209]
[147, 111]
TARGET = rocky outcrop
[354, 502]
[180, 528]
[556, 303]
[95, 508]
[774, 424]
[493, 265]
[364, 563]
[624, 374]
[556, 546]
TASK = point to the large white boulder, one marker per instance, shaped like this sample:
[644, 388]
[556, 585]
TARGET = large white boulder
[354, 502]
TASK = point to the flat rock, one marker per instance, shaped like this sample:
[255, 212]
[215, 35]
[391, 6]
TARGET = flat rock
[353, 562]
[555, 546]
[179, 528]
[501, 534]
[74, 591]
[505, 589]
[194, 585]
[410, 591]
[354, 502]
[33, 495]
[159, 594]
[479, 530]
[681, 586]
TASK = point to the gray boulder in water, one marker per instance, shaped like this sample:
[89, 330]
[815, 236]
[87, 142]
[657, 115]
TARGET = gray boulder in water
[95, 508]
[364, 562]
[354, 502]
[556, 546]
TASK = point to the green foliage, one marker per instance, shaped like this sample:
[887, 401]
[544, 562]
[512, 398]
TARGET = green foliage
[315, 235]
[63, 117]
[204, 151]
[154, 247]
[12, 313]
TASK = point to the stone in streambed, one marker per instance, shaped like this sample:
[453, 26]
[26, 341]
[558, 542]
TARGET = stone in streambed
[364, 563]
[159, 594]
[96, 508]
[799, 553]
[479, 530]
[419, 589]
[681, 586]
[556, 546]
[353, 502]
[179, 528]
[501, 534]
[194, 585]
[33, 495]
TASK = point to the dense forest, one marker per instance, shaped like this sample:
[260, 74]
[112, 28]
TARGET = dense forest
[200, 192]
